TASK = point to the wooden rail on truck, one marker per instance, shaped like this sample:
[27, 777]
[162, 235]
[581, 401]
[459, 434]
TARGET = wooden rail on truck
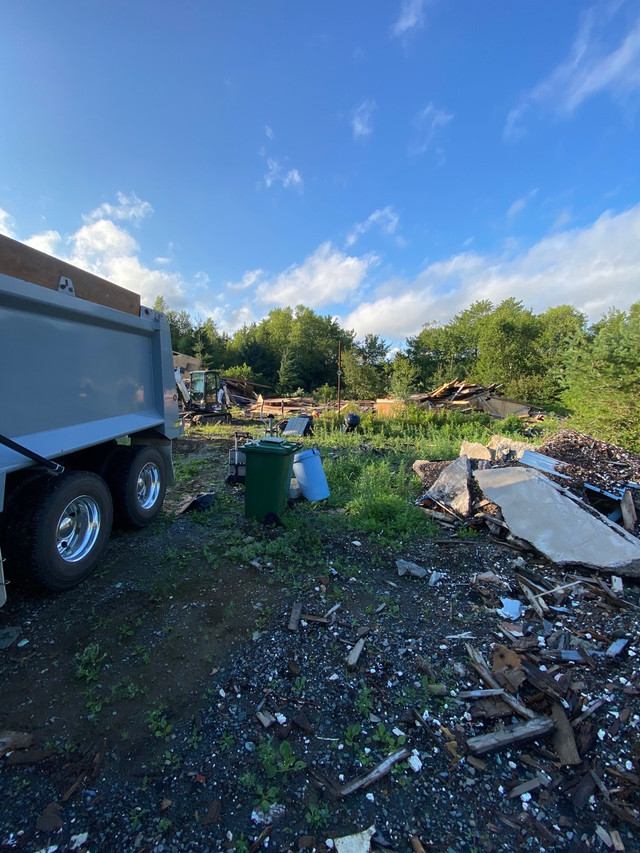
[23, 262]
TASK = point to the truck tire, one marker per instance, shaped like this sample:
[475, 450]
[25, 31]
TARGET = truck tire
[137, 478]
[57, 529]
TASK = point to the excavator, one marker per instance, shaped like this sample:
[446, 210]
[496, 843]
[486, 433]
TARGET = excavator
[202, 401]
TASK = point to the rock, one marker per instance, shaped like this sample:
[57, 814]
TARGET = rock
[557, 523]
[452, 487]
[507, 449]
[474, 450]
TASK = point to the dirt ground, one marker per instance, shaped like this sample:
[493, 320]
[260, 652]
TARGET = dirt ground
[168, 705]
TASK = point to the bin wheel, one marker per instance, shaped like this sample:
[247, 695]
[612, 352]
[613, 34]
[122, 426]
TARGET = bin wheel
[272, 519]
[57, 529]
[137, 478]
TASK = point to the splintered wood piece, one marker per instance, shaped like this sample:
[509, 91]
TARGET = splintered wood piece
[564, 741]
[629, 517]
[479, 664]
[14, 740]
[377, 773]
[525, 787]
[266, 718]
[586, 657]
[294, 619]
[538, 604]
[355, 653]
[480, 694]
[511, 736]
[617, 841]
[543, 681]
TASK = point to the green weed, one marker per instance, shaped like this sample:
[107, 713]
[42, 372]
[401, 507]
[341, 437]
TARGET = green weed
[158, 724]
[89, 663]
[317, 816]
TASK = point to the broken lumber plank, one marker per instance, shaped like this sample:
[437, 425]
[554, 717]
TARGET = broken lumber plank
[511, 736]
[564, 741]
[377, 773]
[629, 517]
[479, 694]
[525, 787]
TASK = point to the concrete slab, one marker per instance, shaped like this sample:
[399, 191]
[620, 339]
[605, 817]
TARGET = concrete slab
[557, 523]
[452, 486]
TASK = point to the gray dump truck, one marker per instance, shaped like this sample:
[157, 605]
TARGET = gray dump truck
[88, 412]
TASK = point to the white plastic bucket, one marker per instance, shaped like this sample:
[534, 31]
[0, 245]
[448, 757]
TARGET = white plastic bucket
[308, 471]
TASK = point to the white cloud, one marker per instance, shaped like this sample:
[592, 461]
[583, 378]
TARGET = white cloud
[228, 318]
[250, 278]
[268, 131]
[7, 224]
[385, 218]
[129, 208]
[520, 203]
[427, 123]
[361, 119]
[292, 179]
[106, 249]
[411, 17]
[590, 68]
[48, 242]
[276, 173]
[591, 268]
[324, 277]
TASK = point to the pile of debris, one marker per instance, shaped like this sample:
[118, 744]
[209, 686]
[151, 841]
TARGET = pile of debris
[464, 397]
[525, 497]
[241, 392]
[284, 407]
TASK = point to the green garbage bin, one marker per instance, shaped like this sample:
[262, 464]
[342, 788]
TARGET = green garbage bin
[269, 463]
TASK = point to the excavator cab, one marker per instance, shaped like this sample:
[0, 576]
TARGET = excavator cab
[204, 389]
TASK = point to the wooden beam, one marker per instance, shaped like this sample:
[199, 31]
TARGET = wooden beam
[27, 264]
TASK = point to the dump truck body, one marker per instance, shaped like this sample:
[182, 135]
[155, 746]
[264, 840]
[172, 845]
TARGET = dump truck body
[79, 381]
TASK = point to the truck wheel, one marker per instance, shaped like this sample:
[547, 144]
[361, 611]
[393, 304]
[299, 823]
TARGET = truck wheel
[137, 478]
[58, 529]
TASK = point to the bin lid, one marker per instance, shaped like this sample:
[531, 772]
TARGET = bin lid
[305, 454]
[263, 445]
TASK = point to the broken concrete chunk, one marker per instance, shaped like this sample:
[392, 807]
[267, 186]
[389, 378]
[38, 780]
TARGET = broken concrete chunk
[358, 843]
[405, 567]
[506, 449]
[452, 487]
[474, 450]
[557, 523]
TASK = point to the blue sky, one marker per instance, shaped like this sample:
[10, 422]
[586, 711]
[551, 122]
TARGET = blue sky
[387, 162]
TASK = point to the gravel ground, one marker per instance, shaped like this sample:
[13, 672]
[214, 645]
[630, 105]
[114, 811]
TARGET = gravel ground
[169, 705]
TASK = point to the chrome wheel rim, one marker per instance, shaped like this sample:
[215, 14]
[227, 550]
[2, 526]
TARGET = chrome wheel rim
[148, 487]
[78, 529]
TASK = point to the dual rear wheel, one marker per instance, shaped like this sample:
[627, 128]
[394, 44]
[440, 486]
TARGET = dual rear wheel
[56, 529]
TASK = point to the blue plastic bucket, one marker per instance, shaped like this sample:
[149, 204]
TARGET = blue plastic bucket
[308, 471]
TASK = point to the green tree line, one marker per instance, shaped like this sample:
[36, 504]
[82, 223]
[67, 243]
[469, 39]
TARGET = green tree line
[554, 360]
